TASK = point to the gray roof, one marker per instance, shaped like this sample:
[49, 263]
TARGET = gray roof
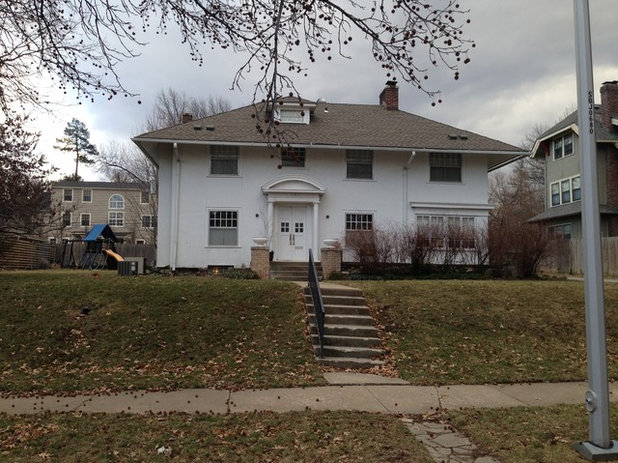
[568, 210]
[603, 133]
[335, 124]
[100, 185]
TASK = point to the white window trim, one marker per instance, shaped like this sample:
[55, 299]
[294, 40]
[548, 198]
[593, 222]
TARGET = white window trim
[210, 156]
[89, 219]
[448, 182]
[141, 198]
[559, 183]
[347, 163]
[140, 241]
[357, 213]
[109, 202]
[151, 221]
[562, 139]
[64, 200]
[91, 193]
[115, 211]
[223, 209]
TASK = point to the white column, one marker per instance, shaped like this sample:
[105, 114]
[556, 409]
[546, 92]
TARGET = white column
[271, 220]
[316, 222]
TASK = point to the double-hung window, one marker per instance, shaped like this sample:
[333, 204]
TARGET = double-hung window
[144, 197]
[67, 195]
[566, 191]
[293, 157]
[359, 164]
[563, 146]
[149, 221]
[86, 196]
[84, 219]
[115, 219]
[445, 167]
[66, 219]
[358, 222]
[223, 228]
[223, 160]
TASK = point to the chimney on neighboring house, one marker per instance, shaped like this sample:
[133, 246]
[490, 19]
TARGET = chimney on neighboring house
[187, 117]
[390, 95]
[609, 102]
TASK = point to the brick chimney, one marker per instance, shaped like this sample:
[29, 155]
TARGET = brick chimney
[187, 117]
[609, 102]
[390, 95]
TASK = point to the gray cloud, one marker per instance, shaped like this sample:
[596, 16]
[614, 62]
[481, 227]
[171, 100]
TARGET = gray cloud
[522, 72]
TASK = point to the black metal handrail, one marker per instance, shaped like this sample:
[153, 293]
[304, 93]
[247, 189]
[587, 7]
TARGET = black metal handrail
[318, 305]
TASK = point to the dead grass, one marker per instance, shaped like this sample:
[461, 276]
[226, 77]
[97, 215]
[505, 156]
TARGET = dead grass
[475, 332]
[257, 437]
[149, 332]
[528, 435]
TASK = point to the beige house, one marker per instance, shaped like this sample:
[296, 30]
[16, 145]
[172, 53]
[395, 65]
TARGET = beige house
[128, 208]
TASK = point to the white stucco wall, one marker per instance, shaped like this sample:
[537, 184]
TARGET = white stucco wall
[383, 196]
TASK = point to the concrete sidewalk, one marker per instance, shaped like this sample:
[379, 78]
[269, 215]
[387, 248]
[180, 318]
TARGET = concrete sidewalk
[371, 396]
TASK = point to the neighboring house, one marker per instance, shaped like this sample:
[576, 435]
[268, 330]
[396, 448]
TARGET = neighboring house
[348, 168]
[128, 208]
[559, 148]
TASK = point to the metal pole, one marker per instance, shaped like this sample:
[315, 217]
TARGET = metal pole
[599, 446]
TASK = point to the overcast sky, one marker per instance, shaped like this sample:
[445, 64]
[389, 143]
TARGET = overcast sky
[521, 73]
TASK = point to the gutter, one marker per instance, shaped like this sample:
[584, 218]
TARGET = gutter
[331, 146]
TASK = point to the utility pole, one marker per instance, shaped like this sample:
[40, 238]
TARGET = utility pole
[599, 447]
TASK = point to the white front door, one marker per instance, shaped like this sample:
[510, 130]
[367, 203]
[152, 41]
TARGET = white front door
[292, 233]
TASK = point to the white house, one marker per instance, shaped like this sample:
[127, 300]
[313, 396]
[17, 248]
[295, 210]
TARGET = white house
[350, 167]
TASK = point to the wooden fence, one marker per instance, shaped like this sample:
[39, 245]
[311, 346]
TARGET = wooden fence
[25, 253]
[567, 256]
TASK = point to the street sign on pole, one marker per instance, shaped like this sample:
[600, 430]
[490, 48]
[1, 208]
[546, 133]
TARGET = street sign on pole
[599, 447]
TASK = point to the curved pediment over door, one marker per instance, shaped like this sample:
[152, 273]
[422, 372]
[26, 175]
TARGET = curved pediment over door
[293, 188]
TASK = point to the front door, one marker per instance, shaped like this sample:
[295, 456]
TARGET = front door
[292, 233]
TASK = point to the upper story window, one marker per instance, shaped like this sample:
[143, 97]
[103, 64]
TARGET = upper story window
[566, 191]
[66, 219]
[67, 195]
[223, 160]
[86, 196]
[145, 197]
[445, 167]
[359, 164]
[116, 202]
[563, 146]
[293, 157]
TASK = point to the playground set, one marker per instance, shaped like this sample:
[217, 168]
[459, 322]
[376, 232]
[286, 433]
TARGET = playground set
[99, 253]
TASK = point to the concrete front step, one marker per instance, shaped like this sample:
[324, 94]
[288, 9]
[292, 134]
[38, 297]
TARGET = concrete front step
[336, 319]
[347, 330]
[342, 309]
[292, 271]
[346, 341]
[347, 351]
[329, 300]
[345, 363]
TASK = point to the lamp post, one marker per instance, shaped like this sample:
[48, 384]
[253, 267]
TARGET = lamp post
[599, 447]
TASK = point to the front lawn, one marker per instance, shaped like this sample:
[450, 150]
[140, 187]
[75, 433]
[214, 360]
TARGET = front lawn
[528, 435]
[149, 332]
[305, 437]
[475, 332]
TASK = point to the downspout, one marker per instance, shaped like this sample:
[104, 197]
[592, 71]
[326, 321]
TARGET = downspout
[175, 207]
[405, 188]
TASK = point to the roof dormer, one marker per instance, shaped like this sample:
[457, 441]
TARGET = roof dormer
[293, 110]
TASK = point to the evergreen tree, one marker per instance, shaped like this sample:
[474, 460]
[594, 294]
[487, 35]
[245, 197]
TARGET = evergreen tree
[77, 139]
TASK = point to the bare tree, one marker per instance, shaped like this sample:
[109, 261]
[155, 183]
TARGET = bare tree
[25, 193]
[171, 105]
[80, 42]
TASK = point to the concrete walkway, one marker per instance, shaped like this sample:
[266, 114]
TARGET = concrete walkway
[367, 393]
